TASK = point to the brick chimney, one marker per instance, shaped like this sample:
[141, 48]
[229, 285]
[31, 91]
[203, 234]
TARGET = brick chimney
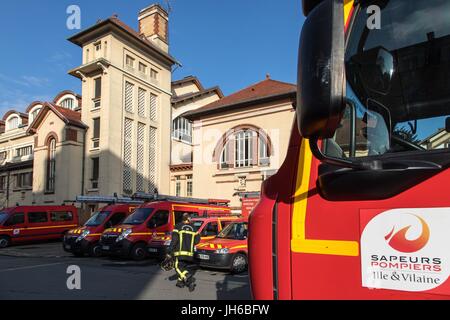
[154, 25]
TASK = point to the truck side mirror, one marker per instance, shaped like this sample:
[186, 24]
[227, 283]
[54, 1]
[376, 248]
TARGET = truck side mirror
[321, 70]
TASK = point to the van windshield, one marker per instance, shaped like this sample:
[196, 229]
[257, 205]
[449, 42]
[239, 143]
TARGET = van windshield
[97, 219]
[237, 231]
[3, 217]
[197, 225]
[139, 216]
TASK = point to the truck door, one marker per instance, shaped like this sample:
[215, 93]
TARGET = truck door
[371, 211]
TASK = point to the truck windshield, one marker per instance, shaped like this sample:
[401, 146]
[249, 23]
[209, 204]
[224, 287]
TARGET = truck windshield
[237, 231]
[97, 219]
[139, 216]
[397, 70]
[3, 217]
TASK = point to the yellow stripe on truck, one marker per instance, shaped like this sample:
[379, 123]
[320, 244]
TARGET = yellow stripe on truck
[299, 243]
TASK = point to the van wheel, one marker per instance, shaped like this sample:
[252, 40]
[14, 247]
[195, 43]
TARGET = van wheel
[239, 263]
[138, 252]
[4, 241]
[95, 250]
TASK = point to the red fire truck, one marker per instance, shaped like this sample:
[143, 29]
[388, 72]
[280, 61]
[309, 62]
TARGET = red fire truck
[157, 216]
[360, 209]
[85, 240]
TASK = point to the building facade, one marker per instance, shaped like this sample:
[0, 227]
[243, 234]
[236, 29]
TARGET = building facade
[188, 95]
[133, 129]
[116, 140]
[239, 141]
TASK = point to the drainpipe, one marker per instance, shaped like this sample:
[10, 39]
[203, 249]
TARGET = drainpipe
[83, 162]
[7, 188]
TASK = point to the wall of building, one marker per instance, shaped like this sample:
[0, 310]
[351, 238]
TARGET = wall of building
[68, 161]
[115, 117]
[185, 88]
[275, 120]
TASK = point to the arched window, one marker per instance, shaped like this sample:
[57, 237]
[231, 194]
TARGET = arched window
[51, 165]
[245, 148]
[182, 129]
[68, 103]
[13, 123]
[34, 114]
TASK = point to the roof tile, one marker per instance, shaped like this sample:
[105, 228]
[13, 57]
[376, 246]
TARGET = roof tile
[263, 89]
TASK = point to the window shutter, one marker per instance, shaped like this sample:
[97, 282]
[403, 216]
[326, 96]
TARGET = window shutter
[254, 142]
[231, 151]
[152, 160]
[153, 106]
[141, 102]
[129, 97]
[127, 156]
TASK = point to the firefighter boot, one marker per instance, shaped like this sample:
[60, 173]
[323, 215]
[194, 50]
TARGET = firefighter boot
[180, 283]
[190, 282]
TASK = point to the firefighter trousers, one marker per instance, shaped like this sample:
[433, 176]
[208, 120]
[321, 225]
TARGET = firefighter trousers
[185, 271]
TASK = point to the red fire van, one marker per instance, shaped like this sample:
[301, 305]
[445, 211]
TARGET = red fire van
[34, 223]
[85, 240]
[159, 216]
[228, 250]
[207, 227]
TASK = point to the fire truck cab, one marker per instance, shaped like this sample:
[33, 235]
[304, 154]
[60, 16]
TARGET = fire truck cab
[156, 218]
[360, 207]
[85, 240]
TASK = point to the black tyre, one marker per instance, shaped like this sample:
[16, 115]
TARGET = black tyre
[239, 263]
[138, 252]
[4, 242]
[95, 250]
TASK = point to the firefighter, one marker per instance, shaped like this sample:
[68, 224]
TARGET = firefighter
[181, 249]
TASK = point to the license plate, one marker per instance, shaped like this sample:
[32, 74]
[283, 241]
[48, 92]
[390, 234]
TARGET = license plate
[154, 250]
[203, 256]
[67, 246]
[105, 247]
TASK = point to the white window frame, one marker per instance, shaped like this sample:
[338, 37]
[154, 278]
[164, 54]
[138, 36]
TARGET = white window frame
[10, 119]
[182, 129]
[244, 149]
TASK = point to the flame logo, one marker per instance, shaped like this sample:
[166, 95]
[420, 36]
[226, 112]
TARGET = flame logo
[399, 242]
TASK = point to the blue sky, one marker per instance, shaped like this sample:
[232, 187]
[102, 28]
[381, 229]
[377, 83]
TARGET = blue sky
[230, 43]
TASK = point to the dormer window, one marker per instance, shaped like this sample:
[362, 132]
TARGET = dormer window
[68, 103]
[13, 123]
[34, 114]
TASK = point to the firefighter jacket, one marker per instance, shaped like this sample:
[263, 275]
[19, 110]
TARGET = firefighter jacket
[184, 239]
